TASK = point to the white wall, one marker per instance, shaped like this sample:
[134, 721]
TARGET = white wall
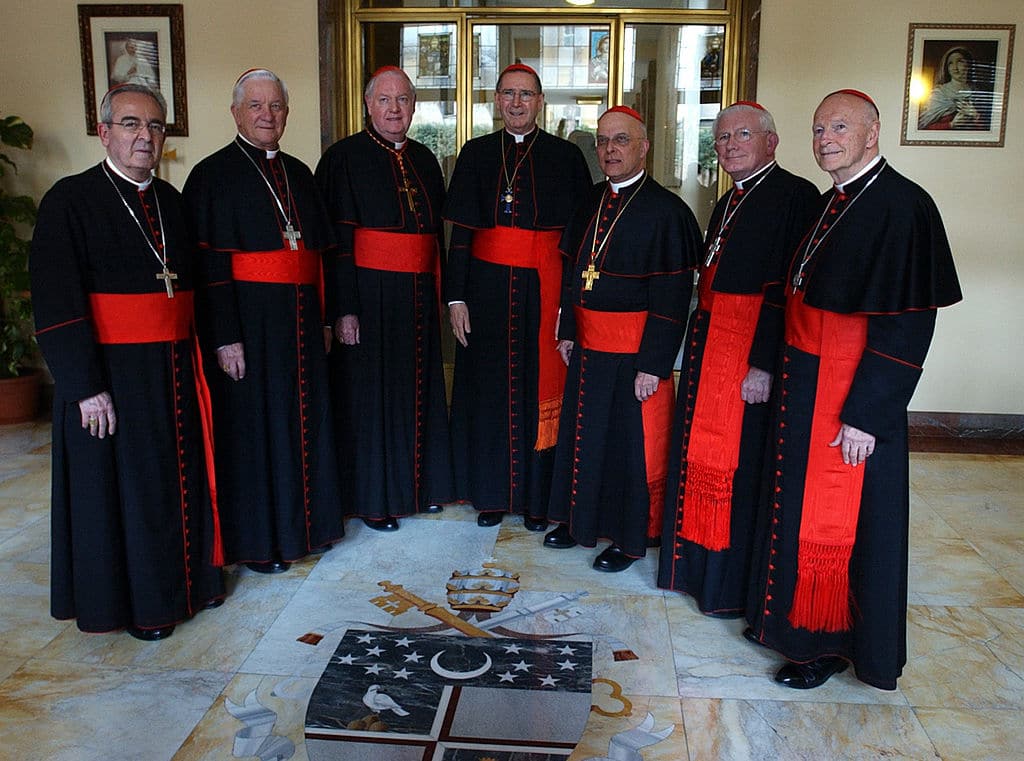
[810, 48]
[42, 79]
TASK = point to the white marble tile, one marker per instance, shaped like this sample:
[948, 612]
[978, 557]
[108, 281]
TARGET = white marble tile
[26, 627]
[626, 715]
[752, 730]
[965, 658]
[964, 735]
[63, 711]
[950, 571]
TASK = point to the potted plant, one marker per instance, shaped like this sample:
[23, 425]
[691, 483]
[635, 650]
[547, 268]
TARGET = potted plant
[19, 383]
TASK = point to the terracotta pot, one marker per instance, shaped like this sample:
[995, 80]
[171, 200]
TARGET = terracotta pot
[19, 397]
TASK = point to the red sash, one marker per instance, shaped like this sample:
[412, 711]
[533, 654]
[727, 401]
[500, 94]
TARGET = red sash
[622, 333]
[301, 267]
[395, 252]
[832, 489]
[535, 249]
[713, 450]
[122, 318]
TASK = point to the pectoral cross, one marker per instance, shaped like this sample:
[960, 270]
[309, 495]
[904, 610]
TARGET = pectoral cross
[508, 198]
[409, 191]
[167, 276]
[589, 275]
[292, 236]
[713, 253]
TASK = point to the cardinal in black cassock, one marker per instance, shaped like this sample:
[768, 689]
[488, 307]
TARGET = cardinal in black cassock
[134, 530]
[384, 193]
[263, 231]
[631, 248]
[719, 434]
[829, 579]
[509, 199]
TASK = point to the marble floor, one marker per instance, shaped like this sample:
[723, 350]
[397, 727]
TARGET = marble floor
[667, 684]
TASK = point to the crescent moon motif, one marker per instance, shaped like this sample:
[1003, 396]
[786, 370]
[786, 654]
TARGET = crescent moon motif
[437, 668]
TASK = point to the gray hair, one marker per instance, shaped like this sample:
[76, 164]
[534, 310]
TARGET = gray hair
[372, 84]
[238, 93]
[107, 104]
[764, 118]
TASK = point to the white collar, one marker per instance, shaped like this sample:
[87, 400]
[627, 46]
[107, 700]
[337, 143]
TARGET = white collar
[270, 154]
[521, 138]
[617, 186]
[765, 168]
[140, 185]
[861, 173]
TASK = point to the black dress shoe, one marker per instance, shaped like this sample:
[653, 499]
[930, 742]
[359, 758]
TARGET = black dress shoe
[535, 524]
[216, 603]
[807, 676]
[151, 635]
[430, 509]
[382, 524]
[749, 636]
[560, 538]
[613, 560]
[271, 566]
[489, 519]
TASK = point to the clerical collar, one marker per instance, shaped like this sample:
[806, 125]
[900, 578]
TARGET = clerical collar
[762, 170]
[867, 168]
[520, 138]
[270, 154]
[618, 186]
[140, 185]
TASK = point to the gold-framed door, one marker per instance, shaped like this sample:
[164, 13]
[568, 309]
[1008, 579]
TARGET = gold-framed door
[655, 60]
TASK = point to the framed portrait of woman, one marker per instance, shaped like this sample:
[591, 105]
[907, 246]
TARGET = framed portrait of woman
[957, 85]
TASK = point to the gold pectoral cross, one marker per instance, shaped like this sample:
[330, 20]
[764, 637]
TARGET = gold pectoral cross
[167, 276]
[589, 275]
[292, 236]
[409, 191]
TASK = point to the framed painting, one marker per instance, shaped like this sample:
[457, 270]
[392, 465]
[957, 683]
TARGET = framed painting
[957, 84]
[138, 44]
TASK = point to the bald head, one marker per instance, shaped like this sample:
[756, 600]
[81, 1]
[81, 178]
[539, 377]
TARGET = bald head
[845, 135]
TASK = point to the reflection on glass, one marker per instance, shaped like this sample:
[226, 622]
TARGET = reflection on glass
[672, 76]
[428, 53]
[699, 5]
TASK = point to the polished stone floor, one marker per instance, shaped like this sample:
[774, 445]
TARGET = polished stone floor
[667, 683]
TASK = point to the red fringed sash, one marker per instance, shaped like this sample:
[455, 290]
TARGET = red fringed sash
[621, 333]
[535, 249]
[832, 489]
[123, 318]
[713, 451]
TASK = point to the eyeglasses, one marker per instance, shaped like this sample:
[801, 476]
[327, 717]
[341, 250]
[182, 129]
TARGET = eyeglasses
[621, 140]
[131, 124]
[524, 95]
[741, 135]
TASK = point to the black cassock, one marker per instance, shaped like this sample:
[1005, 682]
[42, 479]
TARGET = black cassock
[495, 395]
[276, 468]
[883, 269]
[612, 454]
[737, 325]
[388, 390]
[132, 526]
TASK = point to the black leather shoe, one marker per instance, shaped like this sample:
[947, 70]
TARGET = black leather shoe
[382, 524]
[613, 560]
[214, 604]
[749, 636]
[151, 635]
[535, 524]
[489, 519]
[807, 676]
[560, 538]
[430, 509]
[271, 566]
